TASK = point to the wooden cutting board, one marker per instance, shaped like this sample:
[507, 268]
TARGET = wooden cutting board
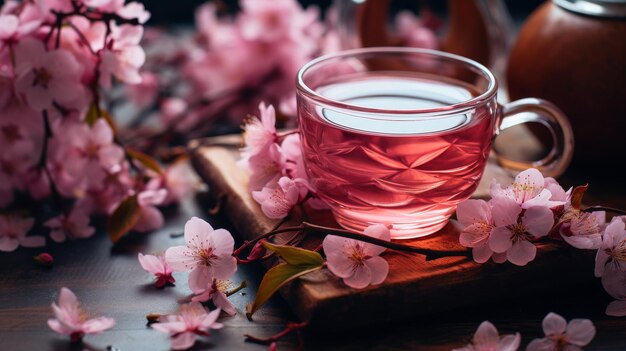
[414, 287]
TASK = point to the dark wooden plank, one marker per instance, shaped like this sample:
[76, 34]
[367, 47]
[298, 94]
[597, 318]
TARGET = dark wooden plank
[414, 287]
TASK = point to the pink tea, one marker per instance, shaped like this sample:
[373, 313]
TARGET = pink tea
[403, 170]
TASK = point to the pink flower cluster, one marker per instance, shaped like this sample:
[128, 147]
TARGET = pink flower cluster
[56, 58]
[559, 336]
[505, 227]
[533, 207]
[277, 177]
[208, 257]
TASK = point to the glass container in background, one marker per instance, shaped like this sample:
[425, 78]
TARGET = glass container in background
[478, 29]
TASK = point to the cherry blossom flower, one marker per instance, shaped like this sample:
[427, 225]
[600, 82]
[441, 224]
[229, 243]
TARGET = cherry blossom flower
[259, 134]
[44, 77]
[134, 10]
[90, 152]
[563, 336]
[614, 282]
[487, 338]
[612, 252]
[278, 200]
[528, 190]
[584, 230]
[13, 232]
[216, 293]
[512, 234]
[14, 27]
[124, 58]
[150, 217]
[475, 218]
[191, 320]
[356, 262]
[74, 225]
[70, 319]
[157, 265]
[208, 254]
[557, 191]
[265, 167]
[178, 179]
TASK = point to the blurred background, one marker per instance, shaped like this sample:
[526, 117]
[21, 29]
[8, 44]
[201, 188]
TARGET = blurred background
[181, 12]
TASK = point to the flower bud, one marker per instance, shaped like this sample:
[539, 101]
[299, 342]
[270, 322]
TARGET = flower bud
[44, 259]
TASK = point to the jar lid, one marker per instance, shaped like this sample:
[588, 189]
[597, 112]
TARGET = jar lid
[596, 8]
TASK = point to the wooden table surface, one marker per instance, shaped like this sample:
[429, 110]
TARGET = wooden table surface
[109, 281]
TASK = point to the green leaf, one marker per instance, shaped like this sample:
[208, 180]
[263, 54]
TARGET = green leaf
[295, 255]
[124, 218]
[274, 279]
[577, 196]
[92, 115]
[145, 160]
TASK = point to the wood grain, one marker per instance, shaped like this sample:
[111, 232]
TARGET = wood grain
[420, 287]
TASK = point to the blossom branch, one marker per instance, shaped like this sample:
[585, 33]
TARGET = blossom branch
[291, 327]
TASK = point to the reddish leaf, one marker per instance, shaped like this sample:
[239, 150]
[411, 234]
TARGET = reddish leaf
[124, 218]
[577, 196]
[145, 160]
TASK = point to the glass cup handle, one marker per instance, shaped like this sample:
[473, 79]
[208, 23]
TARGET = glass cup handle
[547, 114]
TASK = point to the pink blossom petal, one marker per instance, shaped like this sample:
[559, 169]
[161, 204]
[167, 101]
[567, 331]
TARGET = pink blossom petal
[180, 259]
[505, 211]
[486, 336]
[601, 259]
[580, 332]
[151, 264]
[208, 322]
[499, 257]
[183, 341]
[614, 233]
[521, 253]
[222, 242]
[98, 325]
[482, 253]
[553, 324]
[475, 234]
[543, 344]
[542, 199]
[197, 232]
[472, 211]
[538, 221]
[174, 326]
[614, 282]
[339, 264]
[616, 309]
[510, 342]
[224, 266]
[361, 277]
[379, 269]
[199, 278]
[221, 301]
[584, 241]
[377, 231]
[150, 219]
[500, 239]
[57, 235]
[8, 244]
[58, 327]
